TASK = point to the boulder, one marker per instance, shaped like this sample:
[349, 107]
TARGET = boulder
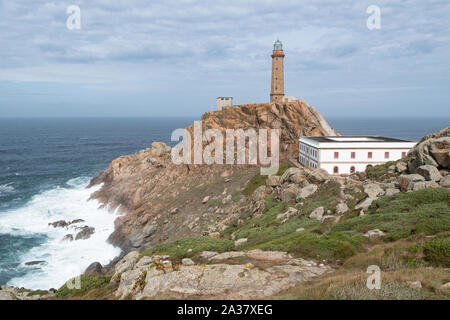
[136, 238]
[391, 191]
[174, 211]
[286, 177]
[300, 230]
[341, 208]
[4, 295]
[205, 199]
[274, 256]
[126, 263]
[317, 213]
[373, 190]
[68, 237]
[406, 181]
[273, 181]
[149, 229]
[401, 167]
[374, 233]
[289, 193]
[445, 182]
[441, 153]
[317, 175]
[239, 242]
[159, 148]
[414, 284]
[305, 192]
[59, 224]
[432, 150]
[259, 194]
[207, 254]
[94, 269]
[215, 235]
[298, 178]
[424, 184]
[290, 212]
[85, 233]
[227, 255]
[329, 219]
[33, 263]
[365, 204]
[430, 173]
[187, 262]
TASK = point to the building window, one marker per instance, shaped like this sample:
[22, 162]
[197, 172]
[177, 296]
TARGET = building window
[369, 155]
[335, 170]
[403, 154]
[353, 155]
[386, 155]
[352, 169]
[336, 155]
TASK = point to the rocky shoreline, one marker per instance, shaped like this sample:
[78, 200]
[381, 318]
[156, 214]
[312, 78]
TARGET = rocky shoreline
[225, 232]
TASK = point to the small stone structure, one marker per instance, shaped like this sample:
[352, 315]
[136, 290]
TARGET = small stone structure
[224, 102]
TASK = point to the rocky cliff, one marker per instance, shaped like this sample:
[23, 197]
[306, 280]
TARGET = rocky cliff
[162, 201]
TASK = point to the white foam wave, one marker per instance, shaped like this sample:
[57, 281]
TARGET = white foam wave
[6, 188]
[63, 259]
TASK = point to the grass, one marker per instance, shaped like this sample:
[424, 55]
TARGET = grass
[380, 172]
[326, 196]
[404, 214]
[437, 252]
[180, 249]
[269, 233]
[351, 285]
[414, 252]
[87, 282]
[258, 180]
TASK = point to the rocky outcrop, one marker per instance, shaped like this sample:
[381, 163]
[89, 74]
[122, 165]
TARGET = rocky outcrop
[257, 275]
[294, 119]
[432, 150]
[146, 186]
[13, 293]
[94, 269]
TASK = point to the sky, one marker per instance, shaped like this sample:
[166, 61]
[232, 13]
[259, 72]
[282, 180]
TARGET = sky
[161, 58]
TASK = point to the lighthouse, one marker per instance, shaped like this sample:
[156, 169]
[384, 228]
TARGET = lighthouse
[277, 85]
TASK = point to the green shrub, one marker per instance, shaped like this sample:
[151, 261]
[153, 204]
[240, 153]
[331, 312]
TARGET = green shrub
[327, 196]
[404, 214]
[437, 252]
[333, 246]
[179, 249]
[380, 172]
[259, 180]
[87, 282]
[388, 291]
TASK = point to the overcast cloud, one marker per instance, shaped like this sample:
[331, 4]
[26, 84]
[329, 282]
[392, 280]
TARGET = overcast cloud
[164, 58]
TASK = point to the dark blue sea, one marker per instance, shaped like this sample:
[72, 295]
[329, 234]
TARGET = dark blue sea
[46, 164]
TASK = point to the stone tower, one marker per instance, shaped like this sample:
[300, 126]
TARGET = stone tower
[277, 87]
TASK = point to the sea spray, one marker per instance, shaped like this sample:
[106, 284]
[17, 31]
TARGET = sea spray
[61, 259]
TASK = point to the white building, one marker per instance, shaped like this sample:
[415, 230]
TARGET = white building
[344, 155]
[224, 102]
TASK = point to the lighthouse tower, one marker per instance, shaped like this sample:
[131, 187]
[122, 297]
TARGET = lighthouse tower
[277, 87]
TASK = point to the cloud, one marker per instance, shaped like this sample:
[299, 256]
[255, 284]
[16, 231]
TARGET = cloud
[158, 44]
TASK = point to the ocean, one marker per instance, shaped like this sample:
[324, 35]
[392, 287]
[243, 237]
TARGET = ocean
[46, 164]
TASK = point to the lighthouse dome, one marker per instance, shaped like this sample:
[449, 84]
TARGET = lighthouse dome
[278, 45]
